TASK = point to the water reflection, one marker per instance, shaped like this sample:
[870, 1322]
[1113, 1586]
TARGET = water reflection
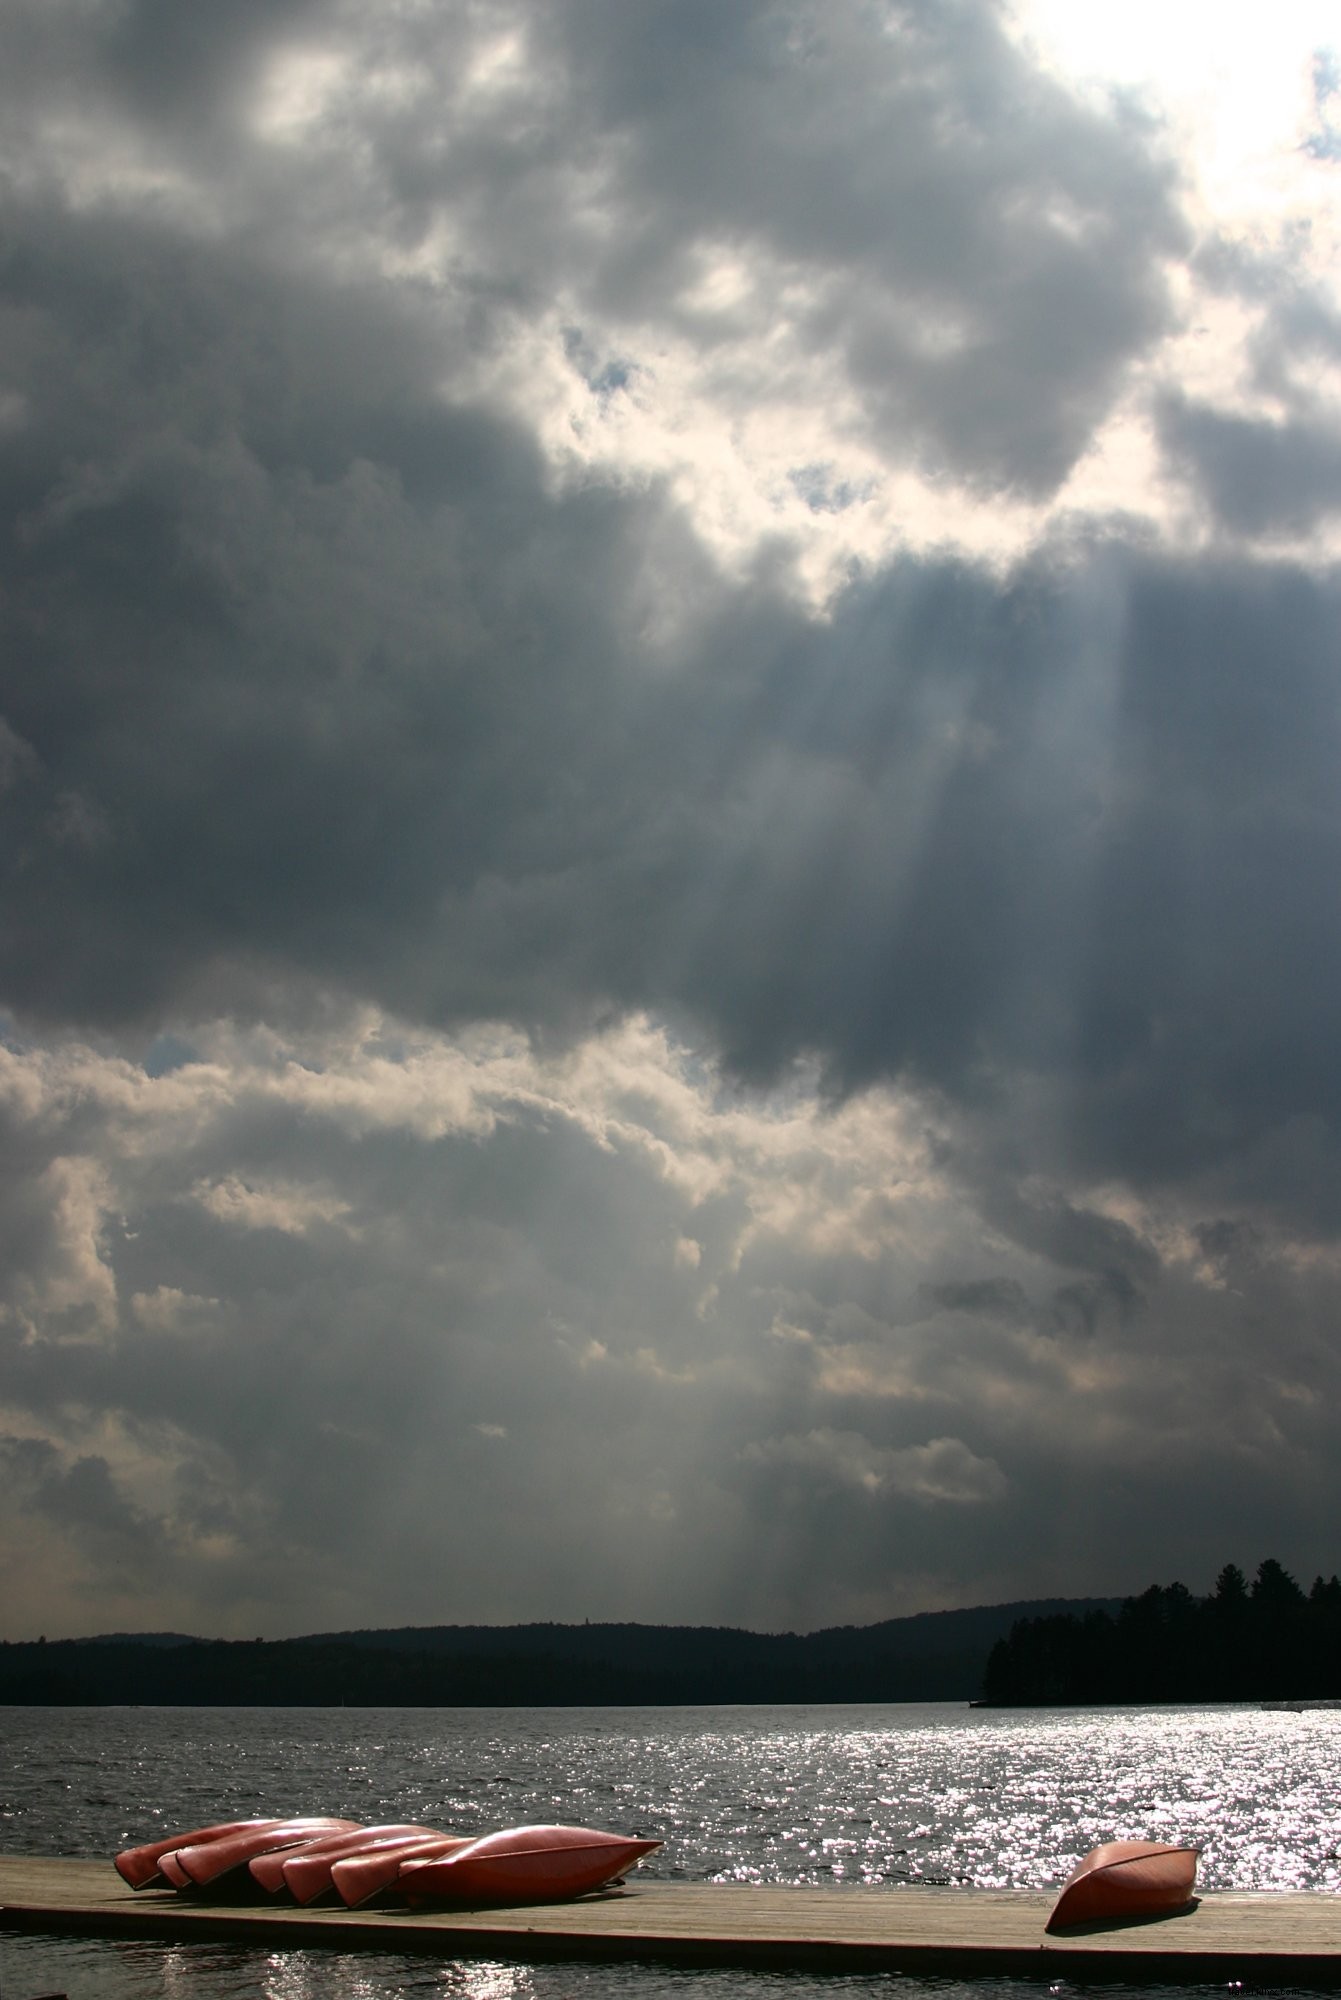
[87, 1969]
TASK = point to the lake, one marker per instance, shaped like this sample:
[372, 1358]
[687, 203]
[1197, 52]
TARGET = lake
[886, 1796]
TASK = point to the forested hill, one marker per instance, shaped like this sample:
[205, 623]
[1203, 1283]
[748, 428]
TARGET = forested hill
[936, 1656]
[1267, 1642]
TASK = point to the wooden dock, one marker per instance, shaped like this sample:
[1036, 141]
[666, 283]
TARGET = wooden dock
[1279, 1939]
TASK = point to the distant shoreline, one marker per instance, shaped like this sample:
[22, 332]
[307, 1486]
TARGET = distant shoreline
[933, 1656]
[1268, 1644]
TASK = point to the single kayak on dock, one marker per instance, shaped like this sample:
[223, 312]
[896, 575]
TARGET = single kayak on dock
[1125, 1879]
[524, 1864]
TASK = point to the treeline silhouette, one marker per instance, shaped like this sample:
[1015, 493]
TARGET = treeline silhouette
[1264, 1642]
[936, 1656]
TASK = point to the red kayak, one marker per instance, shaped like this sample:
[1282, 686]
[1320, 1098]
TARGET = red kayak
[306, 1871]
[1127, 1878]
[173, 1872]
[206, 1864]
[139, 1866]
[357, 1878]
[524, 1864]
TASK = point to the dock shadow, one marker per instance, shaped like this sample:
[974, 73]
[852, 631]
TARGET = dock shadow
[1137, 1920]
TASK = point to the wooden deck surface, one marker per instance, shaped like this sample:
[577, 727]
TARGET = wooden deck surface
[1290, 1938]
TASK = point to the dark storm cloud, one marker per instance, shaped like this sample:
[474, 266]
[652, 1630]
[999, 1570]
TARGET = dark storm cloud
[78, 1498]
[176, 62]
[1077, 827]
[85, 1498]
[1293, 338]
[309, 677]
[998, 1297]
[1259, 477]
[978, 256]
[169, 65]
[1098, 1305]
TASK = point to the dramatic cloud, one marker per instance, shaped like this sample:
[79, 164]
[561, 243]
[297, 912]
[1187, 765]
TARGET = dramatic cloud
[402, 1312]
[1260, 477]
[668, 816]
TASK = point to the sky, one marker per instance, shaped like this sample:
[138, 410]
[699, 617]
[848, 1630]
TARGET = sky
[670, 808]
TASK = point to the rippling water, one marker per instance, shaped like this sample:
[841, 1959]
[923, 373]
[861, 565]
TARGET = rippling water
[885, 1796]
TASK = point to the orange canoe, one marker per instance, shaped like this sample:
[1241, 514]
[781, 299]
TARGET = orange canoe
[526, 1864]
[1127, 1878]
[139, 1866]
[306, 1871]
[173, 1872]
[357, 1878]
[205, 1864]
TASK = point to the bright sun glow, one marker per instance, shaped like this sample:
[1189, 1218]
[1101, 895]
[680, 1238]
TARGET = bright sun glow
[1235, 83]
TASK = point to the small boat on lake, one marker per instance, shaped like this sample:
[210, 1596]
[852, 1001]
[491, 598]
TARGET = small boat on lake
[1125, 1879]
[524, 1864]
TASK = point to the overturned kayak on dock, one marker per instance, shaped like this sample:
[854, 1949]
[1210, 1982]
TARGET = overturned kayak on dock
[212, 1864]
[1125, 1879]
[141, 1867]
[524, 1864]
[372, 1871]
[306, 1871]
[312, 1856]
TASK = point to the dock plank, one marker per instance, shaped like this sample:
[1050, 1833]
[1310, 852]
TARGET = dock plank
[1296, 1938]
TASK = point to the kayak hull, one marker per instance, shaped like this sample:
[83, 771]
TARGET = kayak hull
[357, 1878]
[306, 1871]
[208, 1863]
[524, 1864]
[1125, 1879]
[174, 1874]
[140, 1866]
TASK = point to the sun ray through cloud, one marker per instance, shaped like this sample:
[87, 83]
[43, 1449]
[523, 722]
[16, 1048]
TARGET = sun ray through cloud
[668, 805]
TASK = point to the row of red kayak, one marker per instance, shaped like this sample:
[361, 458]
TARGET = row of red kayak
[311, 1858]
[314, 1857]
